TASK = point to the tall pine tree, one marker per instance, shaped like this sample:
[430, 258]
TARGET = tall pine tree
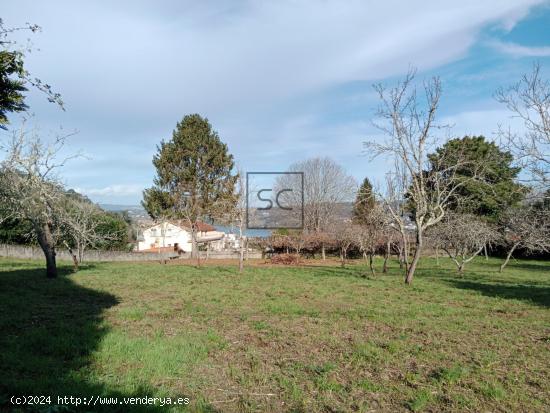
[194, 179]
[364, 202]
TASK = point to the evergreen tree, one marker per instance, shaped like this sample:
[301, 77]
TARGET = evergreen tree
[194, 176]
[489, 179]
[14, 78]
[364, 202]
[11, 85]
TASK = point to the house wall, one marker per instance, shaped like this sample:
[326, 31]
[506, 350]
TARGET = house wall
[168, 235]
[165, 235]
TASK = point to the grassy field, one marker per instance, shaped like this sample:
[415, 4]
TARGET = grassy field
[280, 339]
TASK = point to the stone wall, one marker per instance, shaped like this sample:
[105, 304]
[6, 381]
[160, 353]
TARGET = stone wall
[35, 253]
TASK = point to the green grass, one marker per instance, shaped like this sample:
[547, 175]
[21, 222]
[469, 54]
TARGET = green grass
[280, 339]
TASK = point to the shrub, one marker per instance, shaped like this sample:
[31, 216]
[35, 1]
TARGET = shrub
[286, 259]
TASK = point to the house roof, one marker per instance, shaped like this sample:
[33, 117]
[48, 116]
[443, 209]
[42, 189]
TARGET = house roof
[201, 226]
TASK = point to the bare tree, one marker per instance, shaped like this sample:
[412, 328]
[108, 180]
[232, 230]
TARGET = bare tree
[390, 237]
[526, 228]
[80, 223]
[396, 206]
[462, 236]
[369, 232]
[409, 125]
[344, 235]
[31, 190]
[326, 187]
[236, 216]
[529, 101]
[366, 241]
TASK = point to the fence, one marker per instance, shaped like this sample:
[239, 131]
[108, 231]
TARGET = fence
[32, 252]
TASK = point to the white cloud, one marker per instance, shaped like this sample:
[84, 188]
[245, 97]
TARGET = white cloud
[207, 57]
[518, 50]
[262, 72]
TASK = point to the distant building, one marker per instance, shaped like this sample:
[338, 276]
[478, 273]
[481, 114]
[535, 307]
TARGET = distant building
[174, 236]
[226, 243]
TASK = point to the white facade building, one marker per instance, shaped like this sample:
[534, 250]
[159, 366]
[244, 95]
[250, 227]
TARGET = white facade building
[168, 235]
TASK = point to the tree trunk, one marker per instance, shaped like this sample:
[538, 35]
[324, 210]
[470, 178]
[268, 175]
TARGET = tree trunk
[386, 257]
[371, 266]
[45, 239]
[404, 252]
[241, 255]
[437, 256]
[416, 256]
[195, 245]
[323, 252]
[508, 256]
[73, 255]
[485, 252]
[342, 259]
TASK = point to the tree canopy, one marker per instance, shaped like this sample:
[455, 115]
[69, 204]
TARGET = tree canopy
[492, 189]
[194, 174]
[364, 201]
[14, 78]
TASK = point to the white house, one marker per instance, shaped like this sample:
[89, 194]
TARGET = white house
[173, 236]
[227, 242]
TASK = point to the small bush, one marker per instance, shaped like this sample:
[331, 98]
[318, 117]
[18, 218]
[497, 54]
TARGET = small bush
[286, 259]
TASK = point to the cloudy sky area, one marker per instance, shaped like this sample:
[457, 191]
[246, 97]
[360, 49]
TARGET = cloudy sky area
[280, 81]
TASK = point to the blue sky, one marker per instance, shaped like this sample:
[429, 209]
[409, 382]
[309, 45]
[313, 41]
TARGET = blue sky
[280, 81]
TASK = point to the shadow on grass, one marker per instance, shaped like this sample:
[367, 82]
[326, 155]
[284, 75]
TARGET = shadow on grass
[50, 329]
[537, 266]
[336, 271]
[539, 295]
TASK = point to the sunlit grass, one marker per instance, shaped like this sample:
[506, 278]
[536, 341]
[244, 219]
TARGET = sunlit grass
[276, 338]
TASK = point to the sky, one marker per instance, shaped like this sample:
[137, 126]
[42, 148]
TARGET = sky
[281, 81]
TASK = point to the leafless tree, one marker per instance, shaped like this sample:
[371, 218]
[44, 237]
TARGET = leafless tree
[462, 236]
[316, 241]
[80, 224]
[31, 190]
[395, 201]
[344, 236]
[326, 187]
[529, 101]
[369, 232]
[389, 237]
[527, 228]
[298, 242]
[366, 241]
[409, 124]
[238, 214]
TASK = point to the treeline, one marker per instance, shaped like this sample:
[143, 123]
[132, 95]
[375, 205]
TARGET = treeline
[461, 196]
[112, 230]
[487, 211]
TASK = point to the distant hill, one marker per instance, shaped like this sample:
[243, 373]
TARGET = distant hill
[117, 208]
[136, 212]
[140, 216]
